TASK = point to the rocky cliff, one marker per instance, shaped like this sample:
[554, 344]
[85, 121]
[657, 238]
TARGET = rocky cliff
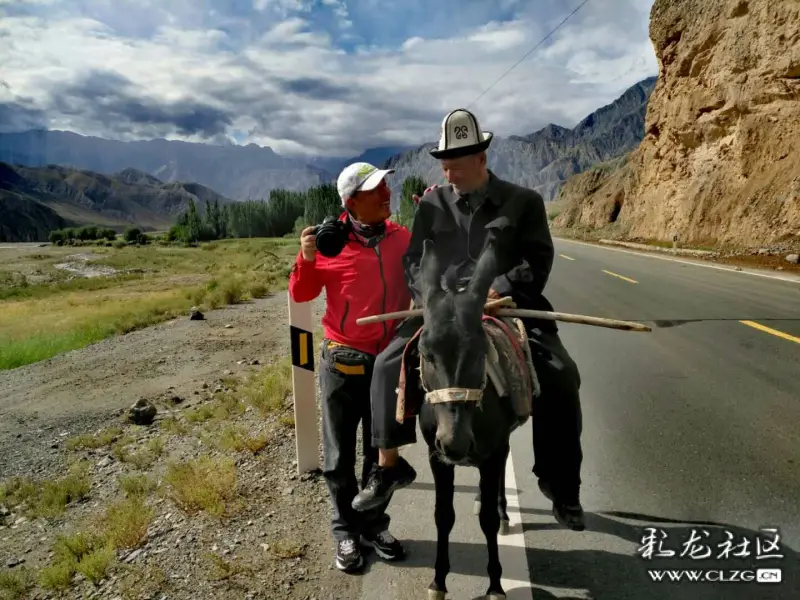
[720, 160]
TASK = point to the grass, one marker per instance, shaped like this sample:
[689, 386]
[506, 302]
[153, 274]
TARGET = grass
[234, 438]
[15, 585]
[173, 426]
[267, 390]
[86, 553]
[222, 569]
[42, 314]
[125, 522]
[137, 485]
[47, 498]
[88, 441]
[205, 484]
[286, 548]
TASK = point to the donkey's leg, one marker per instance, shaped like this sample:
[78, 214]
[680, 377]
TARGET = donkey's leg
[502, 502]
[490, 519]
[505, 522]
[445, 517]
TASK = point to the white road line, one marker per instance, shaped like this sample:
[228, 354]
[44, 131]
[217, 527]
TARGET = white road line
[789, 278]
[516, 579]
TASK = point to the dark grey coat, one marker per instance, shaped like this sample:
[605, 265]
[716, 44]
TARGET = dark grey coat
[518, 217]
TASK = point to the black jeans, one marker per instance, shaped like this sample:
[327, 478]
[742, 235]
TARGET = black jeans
[386, 431]
[556, 418]
[344, 378]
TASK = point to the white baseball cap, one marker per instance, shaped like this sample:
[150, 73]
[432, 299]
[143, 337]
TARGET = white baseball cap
[360, 176]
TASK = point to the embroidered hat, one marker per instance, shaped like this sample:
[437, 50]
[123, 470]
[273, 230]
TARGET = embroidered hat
[461, 135]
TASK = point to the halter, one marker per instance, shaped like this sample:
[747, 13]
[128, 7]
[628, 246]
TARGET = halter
[458, 394]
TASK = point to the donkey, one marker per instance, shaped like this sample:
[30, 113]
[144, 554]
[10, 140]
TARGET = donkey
[462, 419]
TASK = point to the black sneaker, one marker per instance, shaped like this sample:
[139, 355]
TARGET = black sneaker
[382, 483]
[348, 556]
[386, 546]
[570, 515]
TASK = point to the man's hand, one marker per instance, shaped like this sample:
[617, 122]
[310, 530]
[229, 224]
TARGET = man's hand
[416, 198]
[308, 243]
[492, 296]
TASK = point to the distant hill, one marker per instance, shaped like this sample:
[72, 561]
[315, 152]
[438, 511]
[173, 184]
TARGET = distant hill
[238, 172]
[375, 156]
[544, 160]
[36, 200]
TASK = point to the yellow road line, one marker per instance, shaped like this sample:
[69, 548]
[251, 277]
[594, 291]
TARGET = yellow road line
[565, 256]
[771, 331]
[620, 276]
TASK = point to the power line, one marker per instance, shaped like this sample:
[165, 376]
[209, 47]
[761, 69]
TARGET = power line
[567, 18]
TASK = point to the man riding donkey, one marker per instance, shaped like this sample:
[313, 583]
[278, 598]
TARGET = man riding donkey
[456, 217]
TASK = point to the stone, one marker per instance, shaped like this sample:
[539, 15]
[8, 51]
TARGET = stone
[142, 412]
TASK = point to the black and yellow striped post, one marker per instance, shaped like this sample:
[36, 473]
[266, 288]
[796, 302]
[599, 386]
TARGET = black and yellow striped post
[303, 386]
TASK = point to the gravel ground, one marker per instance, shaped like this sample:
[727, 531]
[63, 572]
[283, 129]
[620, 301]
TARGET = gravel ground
[273, 540]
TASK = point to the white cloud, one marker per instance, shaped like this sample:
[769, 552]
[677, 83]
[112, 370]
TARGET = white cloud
[291, 87]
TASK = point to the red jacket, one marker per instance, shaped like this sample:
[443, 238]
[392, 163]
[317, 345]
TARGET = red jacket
[358, 283]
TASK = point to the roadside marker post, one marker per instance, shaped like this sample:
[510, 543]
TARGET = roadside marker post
[303, 386]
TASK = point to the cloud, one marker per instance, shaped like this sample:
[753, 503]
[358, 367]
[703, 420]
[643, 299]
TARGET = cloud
[312, 76]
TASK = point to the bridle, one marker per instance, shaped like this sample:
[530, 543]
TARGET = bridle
[458, 394]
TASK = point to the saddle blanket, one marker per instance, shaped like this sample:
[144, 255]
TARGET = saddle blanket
[509, 365]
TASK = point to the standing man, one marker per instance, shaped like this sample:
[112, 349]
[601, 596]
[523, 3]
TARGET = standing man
[457, 218]
[365, 277]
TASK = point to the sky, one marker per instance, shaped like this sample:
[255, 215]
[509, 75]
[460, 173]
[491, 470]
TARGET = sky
[314, 77]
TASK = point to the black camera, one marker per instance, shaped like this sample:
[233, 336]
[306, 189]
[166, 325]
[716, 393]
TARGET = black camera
[332, 236]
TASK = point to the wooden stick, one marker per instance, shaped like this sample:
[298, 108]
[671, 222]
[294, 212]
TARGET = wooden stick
[418, 312]
[544, 315]
[570, 318]
[507, 301]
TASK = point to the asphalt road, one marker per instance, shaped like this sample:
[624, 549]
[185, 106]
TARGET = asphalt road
[695, 425]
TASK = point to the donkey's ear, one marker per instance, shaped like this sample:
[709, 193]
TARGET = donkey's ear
[485, 271]
[430, 270]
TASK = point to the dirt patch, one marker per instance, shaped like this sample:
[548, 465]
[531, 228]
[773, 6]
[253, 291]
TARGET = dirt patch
[79, 264]
[756, 261]
[264, 534]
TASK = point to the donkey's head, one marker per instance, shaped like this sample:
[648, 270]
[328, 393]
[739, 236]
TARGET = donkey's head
[453, 349]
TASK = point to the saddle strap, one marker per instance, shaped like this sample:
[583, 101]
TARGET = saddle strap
[526, 348]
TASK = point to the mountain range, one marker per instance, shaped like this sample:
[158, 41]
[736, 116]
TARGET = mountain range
[544, 160]
[37, 200]
[87, 179]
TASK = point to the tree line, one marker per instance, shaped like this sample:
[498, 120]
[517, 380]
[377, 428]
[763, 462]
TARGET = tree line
[285, 213]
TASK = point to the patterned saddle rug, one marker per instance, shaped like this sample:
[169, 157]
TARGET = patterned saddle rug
[509, 365]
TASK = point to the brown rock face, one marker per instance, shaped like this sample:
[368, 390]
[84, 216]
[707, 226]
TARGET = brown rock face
[720, 160]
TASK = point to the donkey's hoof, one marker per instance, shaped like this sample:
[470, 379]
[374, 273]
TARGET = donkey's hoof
[504, 527]
[439, 595]
[476, 507]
